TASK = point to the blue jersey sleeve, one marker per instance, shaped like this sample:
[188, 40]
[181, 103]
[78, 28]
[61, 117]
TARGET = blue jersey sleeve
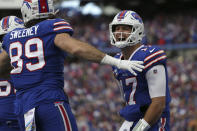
[61, 26]
[154, 56]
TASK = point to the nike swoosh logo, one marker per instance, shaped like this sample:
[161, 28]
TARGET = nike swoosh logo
[152, 50]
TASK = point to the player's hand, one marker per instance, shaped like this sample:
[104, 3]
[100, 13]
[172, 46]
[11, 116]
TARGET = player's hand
[123, 64]
[126, 125]
[142, 125]
[131, 66]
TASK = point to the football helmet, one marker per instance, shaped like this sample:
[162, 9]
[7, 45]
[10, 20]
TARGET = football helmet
[132, 19]
[37, 9]
[8, 24]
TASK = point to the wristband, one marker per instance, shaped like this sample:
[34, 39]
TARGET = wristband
[142, 125]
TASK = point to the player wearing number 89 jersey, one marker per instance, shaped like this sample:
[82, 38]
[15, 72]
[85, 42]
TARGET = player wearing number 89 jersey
[8, 118]
[38, 65]
[37, 55]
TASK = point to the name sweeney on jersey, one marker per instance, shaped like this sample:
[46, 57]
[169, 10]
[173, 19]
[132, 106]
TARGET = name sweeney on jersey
[23, 33]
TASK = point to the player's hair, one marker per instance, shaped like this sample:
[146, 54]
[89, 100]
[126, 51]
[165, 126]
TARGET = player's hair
[36, 21]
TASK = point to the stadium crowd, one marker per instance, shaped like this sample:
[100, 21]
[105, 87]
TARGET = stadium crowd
[161, 29]
[96, 99]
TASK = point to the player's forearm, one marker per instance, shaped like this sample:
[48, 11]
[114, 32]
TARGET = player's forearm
[88, 52]
[155, 110]
[78, 48]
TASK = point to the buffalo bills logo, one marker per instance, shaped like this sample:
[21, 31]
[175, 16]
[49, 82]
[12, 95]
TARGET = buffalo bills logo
[137, 17]
[27, 3]
[5, 23]
[19, 21]
[121, 15]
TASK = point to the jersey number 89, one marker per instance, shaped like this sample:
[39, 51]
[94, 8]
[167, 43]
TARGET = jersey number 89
[28, 53]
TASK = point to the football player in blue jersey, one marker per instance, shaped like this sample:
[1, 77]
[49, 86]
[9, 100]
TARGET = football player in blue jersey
[146, 95]
[37, 55]
[8, 119]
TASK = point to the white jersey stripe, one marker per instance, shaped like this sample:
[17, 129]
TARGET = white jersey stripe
[61, 22]
[154, 54]
[62, 27]
[152, 62]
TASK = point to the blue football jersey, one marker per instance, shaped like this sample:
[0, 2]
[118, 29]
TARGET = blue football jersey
[38, 63]
[135, 88]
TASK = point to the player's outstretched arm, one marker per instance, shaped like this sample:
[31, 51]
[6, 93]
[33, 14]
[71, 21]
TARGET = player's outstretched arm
[78, 48]
[88, 52]
[5, 66]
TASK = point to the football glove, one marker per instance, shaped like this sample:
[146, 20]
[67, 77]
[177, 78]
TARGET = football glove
[124, 64]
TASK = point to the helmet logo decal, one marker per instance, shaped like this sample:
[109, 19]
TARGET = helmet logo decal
[5, 22]
[137, 17]
[27, 3]
[122, 14]
[19, 21]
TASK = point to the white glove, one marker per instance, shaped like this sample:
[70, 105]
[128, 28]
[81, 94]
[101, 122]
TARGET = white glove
[124, 64]
[131, 66]
[126, 125]
[142, 125]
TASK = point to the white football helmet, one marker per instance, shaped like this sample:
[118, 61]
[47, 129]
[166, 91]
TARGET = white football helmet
[130, 18]
[8, 24]
[37, 9]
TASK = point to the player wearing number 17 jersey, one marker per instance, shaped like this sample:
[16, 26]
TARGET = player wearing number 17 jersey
[147, 95]
[37, 55]
[8, 118]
